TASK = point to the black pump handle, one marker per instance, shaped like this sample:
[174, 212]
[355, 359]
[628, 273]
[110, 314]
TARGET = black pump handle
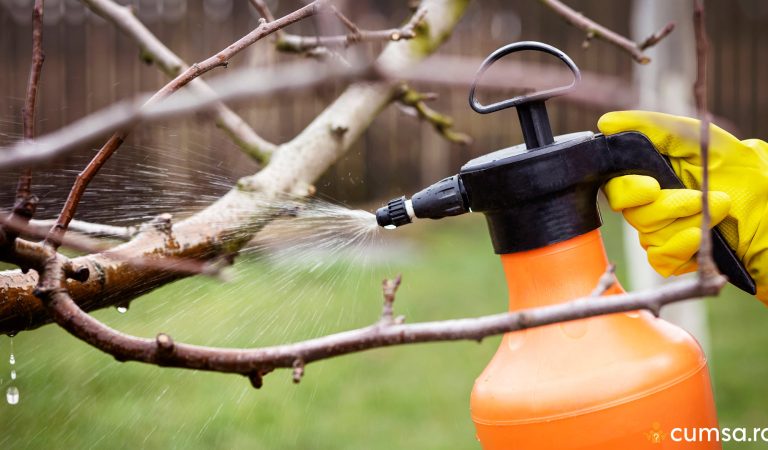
[526, 98]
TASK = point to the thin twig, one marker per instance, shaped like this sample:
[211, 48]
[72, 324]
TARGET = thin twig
[389, 288]
[442, 123]
[153, 50]
[302, 44]
[606, 281]
[23, 189]
[595, 30]
[707, 268]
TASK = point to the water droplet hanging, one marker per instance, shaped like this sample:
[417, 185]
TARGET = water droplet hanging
[12, 393]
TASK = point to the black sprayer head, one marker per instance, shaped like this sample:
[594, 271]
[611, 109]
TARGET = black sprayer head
[442, 199]
[545, 191]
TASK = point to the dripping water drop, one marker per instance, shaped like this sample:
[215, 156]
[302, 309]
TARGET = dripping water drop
[12, 359]
[13, 374]
[122, 309]
[12, 395]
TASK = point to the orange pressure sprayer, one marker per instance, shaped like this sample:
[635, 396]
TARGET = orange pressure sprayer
[620, 381]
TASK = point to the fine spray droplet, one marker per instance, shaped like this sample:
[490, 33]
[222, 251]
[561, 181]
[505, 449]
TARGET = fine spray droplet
[12, 395]
[122, 309]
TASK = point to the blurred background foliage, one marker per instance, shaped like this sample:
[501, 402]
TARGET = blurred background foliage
[73, 396]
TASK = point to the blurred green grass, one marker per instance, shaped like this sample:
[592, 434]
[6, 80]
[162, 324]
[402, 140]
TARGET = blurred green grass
[406, 397]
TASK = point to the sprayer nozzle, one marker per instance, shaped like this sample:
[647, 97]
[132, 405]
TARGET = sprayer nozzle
[394, 214]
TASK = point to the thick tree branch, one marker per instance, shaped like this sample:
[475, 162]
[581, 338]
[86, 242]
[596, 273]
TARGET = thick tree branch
[595, 30]
[229, 223]
[153, 50]
[21, 252]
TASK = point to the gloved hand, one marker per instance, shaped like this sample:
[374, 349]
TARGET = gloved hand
[668, 219]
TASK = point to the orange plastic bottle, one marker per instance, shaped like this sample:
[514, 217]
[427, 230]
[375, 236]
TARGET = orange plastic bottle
[620, 382]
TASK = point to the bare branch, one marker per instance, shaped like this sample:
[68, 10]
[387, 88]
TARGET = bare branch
[389, 288]
[442, 124]
[239, 86]
[23, 189]
[707, 267]
[656, 37]
[302, 44]
[595, 30]
[247, 84]
[153, 50]
[165, 352]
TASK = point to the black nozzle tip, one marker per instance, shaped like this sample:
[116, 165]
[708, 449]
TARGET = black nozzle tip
[382, 217]
[394, 214]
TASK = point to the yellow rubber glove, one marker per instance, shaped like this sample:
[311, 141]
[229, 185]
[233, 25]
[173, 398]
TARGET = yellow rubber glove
[668, 219]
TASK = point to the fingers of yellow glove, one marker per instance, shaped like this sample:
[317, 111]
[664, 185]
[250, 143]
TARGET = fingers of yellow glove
[630, 191]
[673, 204]
[719, 207]
[676, 252]
[675, 136]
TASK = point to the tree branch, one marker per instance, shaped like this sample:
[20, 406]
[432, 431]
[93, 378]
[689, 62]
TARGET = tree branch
[23, 189]
[154, 51]
[237, 87]
[230, 222]
[247, 84]
[595, 30]
[302, 44]
[256, 362]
